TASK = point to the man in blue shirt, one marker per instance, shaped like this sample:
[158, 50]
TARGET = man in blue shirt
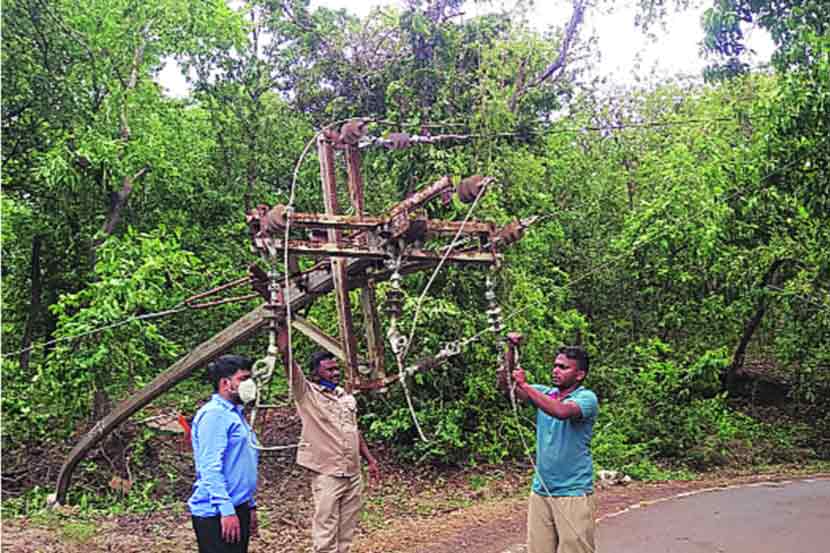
[561, 508]
[222, 505]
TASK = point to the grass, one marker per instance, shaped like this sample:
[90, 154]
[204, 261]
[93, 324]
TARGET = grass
[78, 531]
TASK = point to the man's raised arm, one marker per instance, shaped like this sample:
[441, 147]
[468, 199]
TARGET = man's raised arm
[293, 373]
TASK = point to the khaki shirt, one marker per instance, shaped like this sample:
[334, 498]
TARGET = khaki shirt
[329, 443]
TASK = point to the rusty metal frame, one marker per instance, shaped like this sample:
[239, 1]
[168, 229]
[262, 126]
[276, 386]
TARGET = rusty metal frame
[348, 342]
[385, 226]
[355, 249]
[375, 368]
[371, 239]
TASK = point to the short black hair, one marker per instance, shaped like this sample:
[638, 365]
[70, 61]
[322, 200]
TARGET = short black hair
[226, 366]
[318, 357]
[578, 354]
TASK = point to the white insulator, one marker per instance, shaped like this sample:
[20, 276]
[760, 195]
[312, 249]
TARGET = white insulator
[399, 344]
[493, 310]
[411, 370]
[450, 349]
[264, 368]
[397, 341]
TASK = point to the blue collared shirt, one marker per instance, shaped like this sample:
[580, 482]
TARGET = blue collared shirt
[226, 463]
[563, 447]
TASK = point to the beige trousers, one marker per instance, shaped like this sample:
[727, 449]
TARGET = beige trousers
[561, 524]
[336, 509]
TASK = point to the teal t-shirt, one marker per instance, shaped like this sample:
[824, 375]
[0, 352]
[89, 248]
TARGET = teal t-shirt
[563, 447]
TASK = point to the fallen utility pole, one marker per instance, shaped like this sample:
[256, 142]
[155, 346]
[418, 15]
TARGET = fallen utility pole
[358, 252]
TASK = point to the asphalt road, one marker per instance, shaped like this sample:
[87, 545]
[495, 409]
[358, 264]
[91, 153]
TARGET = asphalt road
[791, 517]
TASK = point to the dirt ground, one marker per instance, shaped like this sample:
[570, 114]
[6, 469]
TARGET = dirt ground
[412, 509]
[409, 511]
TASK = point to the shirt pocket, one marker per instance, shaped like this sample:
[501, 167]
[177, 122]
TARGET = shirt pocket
[237, 433]
[350, 403]
[349, 410]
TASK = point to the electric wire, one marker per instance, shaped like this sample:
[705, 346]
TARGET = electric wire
[263, 381]
[159, 314]
[455, 241]
[571, 283]
[402, 356]
[580, 129]
[287, 286]
[652, 124]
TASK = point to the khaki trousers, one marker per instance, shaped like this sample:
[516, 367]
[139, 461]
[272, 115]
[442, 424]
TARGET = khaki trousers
[336, 509]
[561, 524]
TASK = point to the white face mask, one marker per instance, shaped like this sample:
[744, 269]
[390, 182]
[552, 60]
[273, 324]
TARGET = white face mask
[247, 390]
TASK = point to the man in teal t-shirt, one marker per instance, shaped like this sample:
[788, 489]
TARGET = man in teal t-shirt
[561, 508]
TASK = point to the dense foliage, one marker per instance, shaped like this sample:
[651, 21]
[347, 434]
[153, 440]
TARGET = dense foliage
[685, 236]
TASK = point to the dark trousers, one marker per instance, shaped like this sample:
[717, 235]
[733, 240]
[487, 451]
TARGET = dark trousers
[209, 533]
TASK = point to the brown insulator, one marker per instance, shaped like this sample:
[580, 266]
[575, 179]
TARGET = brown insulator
[352, 132]
[331, 135]
[256, 213]
[398, 141]
[510, 233]
[515, 338]
[394, 310]
[275, 220]
[469, 188]
[394, 303]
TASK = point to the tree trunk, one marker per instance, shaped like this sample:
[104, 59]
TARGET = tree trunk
[34, 303]
[251, 174]
[750, 327]
[118, 201]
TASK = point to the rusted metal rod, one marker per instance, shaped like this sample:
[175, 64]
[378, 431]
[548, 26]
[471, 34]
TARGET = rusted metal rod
[327, 249]
[324, 221]
[223, 301]
[325, 152]
[226, 286]
[421, 197]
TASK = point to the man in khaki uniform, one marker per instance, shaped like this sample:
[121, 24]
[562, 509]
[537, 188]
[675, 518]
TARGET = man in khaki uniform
[331, 446]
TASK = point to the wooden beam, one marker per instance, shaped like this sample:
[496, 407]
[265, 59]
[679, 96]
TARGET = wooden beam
[319, 337]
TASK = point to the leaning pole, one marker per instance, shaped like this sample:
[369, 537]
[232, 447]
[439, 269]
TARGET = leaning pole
[237, 332]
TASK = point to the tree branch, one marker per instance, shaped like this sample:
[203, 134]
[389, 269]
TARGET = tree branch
[118, 202]
[565, 46]
[289, 13]
[518, 91]
[138, 59]
[78, 37]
